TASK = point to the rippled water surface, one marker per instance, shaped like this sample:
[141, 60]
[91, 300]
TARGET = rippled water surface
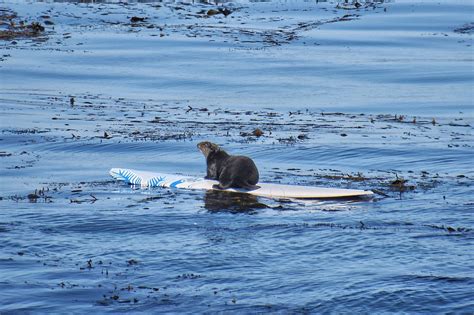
[377, 97]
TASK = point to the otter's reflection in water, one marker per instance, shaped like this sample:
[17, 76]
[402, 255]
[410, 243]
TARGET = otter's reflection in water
[222, 201]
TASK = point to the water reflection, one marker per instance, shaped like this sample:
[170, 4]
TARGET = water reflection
[221, 201]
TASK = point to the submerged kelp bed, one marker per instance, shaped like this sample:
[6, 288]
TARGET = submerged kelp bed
[317, 93]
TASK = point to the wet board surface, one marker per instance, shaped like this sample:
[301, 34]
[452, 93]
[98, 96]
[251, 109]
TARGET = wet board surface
[152, 179]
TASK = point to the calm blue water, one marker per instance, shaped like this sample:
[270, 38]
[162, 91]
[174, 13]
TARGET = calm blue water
[324, 91]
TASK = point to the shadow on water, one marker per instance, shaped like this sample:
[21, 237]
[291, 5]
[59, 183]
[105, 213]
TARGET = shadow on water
[222, 201]
[233, 202]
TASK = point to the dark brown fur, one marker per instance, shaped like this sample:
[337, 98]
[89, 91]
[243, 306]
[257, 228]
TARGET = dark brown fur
[230, 170]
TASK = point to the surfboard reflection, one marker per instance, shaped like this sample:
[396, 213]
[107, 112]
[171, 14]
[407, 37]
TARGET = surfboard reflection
[222, 201]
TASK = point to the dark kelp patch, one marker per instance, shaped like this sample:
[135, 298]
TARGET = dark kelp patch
[14, 27]
[467, 28]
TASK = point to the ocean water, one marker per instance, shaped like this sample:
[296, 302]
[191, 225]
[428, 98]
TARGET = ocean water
[378, 97]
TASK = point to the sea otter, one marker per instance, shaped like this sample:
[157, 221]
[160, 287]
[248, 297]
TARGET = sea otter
[234, 171]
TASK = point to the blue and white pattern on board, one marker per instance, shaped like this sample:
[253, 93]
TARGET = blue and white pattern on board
[156, 181]
[149, 179]
[176, 183]
[128, 176]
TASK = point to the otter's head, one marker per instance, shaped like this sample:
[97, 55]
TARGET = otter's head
[207, 148]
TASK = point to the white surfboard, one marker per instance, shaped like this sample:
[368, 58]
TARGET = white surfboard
[151, 179]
